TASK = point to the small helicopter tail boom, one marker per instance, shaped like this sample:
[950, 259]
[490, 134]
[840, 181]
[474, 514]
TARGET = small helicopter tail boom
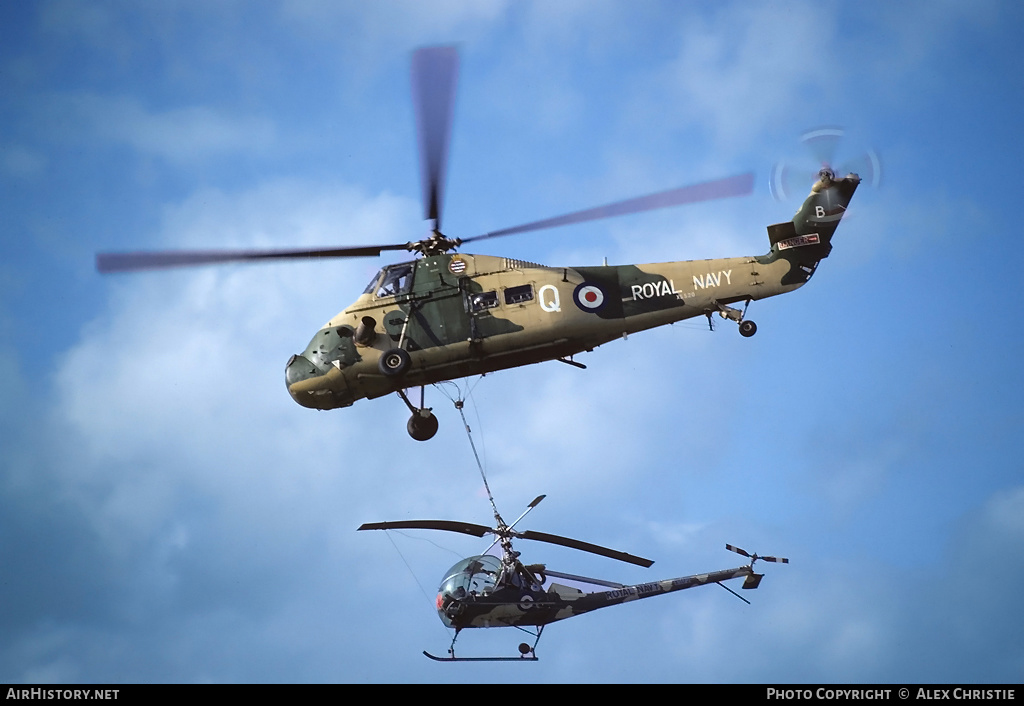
[625, 594]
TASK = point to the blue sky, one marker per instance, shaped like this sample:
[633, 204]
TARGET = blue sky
[169, 514]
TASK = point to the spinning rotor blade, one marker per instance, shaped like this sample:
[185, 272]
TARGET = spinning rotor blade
[584, 546]
[158, 260]
[739, 185]
[446, 525]
[822, 143]
[434, 74]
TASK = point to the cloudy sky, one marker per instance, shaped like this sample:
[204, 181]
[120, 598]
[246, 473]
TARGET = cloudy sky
[169, 514]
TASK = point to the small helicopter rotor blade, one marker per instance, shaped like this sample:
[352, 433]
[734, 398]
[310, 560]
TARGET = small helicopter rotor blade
[434, 74]
[741, 552]
[584, 546]
[159, 260]
[754, 557]
[445, 525]
[583, 579]
[529, 507]
[739, 185]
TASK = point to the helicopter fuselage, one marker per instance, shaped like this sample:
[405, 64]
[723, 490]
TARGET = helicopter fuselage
[511, 605]
[456, 315]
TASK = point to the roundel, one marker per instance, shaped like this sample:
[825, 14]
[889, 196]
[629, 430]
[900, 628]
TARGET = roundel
[589, 297]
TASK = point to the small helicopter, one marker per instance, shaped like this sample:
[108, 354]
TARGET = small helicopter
[448, 315]
[484, 591]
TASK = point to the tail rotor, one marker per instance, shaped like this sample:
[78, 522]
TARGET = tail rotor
[755, 557]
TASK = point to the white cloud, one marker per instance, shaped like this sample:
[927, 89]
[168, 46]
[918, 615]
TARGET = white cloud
[184, 135]
[750, 65]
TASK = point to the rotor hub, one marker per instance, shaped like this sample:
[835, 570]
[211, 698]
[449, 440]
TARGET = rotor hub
[437, 243]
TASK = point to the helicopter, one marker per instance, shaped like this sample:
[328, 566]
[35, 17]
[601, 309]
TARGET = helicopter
[448, 314]
[486, 591]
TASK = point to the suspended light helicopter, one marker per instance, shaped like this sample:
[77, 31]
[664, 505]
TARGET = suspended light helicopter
[486, 591]
[448, 314]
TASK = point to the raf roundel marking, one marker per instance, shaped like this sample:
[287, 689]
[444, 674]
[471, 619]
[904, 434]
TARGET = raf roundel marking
[589, 297]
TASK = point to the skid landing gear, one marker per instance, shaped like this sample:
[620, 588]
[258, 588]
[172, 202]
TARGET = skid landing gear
[527, 653]
[422, 424]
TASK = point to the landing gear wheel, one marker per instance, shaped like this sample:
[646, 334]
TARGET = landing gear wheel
[422, 427]
[747, 328]
[394, 362]
[524, 649]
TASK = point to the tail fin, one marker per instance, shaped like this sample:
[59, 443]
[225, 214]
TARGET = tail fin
[816, 221]
[807, 239]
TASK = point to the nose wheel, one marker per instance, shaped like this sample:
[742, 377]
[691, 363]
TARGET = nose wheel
[422, 425]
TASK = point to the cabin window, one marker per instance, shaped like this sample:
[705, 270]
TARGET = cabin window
[519, 295]
[483, 300]
[397, 280]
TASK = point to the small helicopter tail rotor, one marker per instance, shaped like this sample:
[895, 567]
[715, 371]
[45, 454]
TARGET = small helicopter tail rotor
[754, 557]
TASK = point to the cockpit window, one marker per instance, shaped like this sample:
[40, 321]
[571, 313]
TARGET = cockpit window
[397, 279]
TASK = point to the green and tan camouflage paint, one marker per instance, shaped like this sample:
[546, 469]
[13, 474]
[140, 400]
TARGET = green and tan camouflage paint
[568, 310]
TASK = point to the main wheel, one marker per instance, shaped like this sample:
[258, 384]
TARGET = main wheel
[747, 328]
[422, 428]
[394, 362]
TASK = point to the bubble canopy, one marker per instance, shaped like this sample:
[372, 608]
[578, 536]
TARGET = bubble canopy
[475, 576]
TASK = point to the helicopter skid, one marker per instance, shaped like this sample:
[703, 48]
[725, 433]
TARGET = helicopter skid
[522, 658]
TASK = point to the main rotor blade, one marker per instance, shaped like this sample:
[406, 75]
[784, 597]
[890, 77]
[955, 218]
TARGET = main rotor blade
[135, 261]
[584, 546]
[584, 579]
[434, 74]
[535, 503]
[739, 185]
[446, 525]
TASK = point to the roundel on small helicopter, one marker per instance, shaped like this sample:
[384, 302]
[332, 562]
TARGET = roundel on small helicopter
[447, 314]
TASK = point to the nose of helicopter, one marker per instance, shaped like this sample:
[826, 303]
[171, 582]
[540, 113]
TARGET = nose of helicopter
[300, 370]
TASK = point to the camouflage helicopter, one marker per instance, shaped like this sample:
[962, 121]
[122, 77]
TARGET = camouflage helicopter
[448, 314]
[485, 591]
